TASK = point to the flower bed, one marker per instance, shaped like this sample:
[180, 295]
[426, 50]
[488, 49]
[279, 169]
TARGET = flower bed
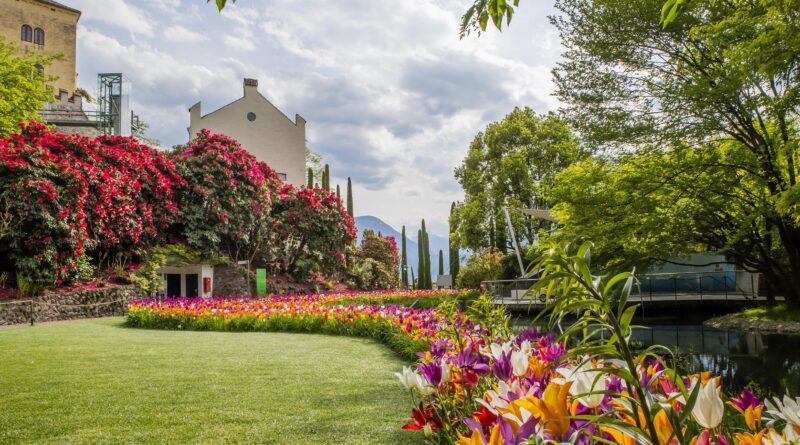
[477, 384]
[523, 390]
[405, 329]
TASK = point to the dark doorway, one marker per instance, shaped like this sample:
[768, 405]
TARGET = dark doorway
[173, 285]
[191, 285]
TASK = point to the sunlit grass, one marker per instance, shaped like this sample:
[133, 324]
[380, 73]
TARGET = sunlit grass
[778, 312]
[96, 381]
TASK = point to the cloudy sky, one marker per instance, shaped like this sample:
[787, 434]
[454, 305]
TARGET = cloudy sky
[392, 96]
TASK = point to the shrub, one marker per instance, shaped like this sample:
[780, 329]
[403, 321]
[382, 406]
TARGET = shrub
[225, 201]
[483, 265]
[310, 225]
[42, 196]
[377, 260]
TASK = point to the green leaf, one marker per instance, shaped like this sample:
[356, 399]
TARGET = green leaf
[484, 18]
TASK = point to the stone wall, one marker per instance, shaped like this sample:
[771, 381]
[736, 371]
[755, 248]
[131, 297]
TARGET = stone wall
[229, 280]
[79, 304]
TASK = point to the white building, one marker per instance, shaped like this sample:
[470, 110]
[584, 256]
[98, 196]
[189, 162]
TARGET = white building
[262, 129]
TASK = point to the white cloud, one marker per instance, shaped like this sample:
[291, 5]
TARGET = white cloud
[178, 33]
[117, 13]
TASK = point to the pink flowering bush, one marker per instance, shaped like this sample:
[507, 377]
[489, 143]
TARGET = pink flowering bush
[226, 198]
[310, 226]
[43, 228]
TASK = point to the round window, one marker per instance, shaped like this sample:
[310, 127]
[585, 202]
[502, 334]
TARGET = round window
[251, 116]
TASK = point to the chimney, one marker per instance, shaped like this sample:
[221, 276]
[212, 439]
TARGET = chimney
[194, 114]
[250, 86]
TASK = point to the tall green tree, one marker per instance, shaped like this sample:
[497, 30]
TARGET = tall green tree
[714, 97]
[350, 197]
[338, 192]
[441, 262]
[404, 261]
[420, 260]
[512, 164]
[326, 178]
[455, 256]
[310, 182]
[22, 87]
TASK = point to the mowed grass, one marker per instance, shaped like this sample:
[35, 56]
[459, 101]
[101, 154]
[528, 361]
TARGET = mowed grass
[96, 381]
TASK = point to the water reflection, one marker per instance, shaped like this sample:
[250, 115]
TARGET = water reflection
[771, 361]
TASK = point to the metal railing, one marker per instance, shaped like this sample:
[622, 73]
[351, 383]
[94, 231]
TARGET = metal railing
[725, 285]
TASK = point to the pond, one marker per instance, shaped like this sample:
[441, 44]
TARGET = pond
[768, 362]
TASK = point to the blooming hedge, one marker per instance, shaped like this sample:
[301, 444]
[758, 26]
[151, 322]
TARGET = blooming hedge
[43, 227]
[405, 329]
[310, 225]
[226, 198]
[68, 200]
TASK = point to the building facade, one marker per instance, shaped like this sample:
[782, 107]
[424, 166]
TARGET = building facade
[262, 129]
[44, 26]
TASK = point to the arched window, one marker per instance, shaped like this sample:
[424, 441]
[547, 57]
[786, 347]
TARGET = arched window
[38, 36]
[27, 33]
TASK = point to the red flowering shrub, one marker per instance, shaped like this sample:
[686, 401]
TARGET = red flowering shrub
[43, 228]
[311, 225]
[129, 202]
[225, 201]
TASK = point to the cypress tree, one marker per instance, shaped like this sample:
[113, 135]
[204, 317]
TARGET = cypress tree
[350, 197]
[413, 280]
[428, 282]
[454, 253]
[404, 262]
[441, 262]
[338, 192]
[420, 259]
[310, 178]
[425, 254]
[326, 178]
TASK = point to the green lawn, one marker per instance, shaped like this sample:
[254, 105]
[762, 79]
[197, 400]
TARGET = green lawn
[96, 381]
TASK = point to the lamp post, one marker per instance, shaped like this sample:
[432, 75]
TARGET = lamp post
[246, 263]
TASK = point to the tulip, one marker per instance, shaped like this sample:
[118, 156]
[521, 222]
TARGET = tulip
[519, 362]
[408, 378]
[708, 407]
[584, 381]
[788, 410]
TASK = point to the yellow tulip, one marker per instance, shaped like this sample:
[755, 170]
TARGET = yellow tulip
[750, 438]
[473, 439]
[552, 410]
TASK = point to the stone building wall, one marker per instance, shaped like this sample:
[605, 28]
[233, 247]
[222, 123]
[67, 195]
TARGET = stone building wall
[59, 23]
[79, 304]
[229, 280]
[67, 114]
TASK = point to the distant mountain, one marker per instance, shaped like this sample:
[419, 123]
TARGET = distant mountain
[436, 242]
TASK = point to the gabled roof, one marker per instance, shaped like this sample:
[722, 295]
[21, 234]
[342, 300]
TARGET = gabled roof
[262, 97]
[58, 5]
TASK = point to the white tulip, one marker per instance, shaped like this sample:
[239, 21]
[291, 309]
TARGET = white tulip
[584, 380]
[423, 386]
[497, 350]
[408, 378]
[708, 407]
[519, 362]
[788, 410]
